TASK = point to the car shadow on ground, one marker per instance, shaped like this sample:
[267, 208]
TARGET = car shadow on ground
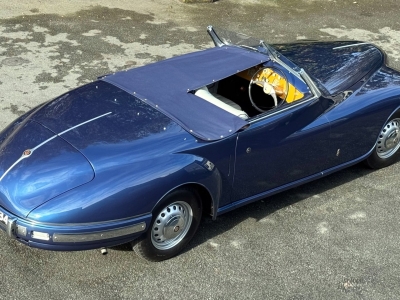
[260, 209]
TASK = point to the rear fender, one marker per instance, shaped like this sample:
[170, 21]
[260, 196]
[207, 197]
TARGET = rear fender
[357, 121]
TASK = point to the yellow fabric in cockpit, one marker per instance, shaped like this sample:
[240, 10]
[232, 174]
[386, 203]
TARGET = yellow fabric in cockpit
[277, 81]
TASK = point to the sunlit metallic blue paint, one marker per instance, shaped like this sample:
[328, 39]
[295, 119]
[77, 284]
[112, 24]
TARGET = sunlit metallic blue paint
[114, 171]
[132, 150]
[283, 148]
[124, 192]
[49, 171]
[349, 125]
[336, 66]
[357, 121]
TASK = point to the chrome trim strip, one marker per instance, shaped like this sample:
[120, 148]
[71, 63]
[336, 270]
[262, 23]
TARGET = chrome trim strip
[82, 225]
[276, 58]
[98, 236]
[48, 140]
[11, 228]
[348, 46]
[83, 123]
[12, 166]
[311, 84]
[26, 156]
[45, 142]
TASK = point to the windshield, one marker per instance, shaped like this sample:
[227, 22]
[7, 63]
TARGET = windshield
[222, 37]
[227, 37]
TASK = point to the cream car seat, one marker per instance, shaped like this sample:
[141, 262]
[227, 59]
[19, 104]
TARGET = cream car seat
[221, 102]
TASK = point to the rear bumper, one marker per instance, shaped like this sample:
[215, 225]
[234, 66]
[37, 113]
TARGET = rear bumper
[73, 237]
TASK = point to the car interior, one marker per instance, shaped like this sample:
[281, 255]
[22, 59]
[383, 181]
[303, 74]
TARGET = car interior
[251, 92]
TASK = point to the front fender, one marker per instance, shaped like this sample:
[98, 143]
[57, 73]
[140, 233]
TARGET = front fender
[133, 189]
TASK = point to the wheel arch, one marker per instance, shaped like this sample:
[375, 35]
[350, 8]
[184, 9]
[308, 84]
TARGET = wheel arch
[395, 111]
[386, 155]
[209, 202]
[390, 116]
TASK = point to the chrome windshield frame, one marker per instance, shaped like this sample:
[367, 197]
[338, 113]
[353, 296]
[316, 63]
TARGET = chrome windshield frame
[274, 55]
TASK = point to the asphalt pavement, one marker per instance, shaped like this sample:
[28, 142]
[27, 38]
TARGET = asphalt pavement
[335, 238]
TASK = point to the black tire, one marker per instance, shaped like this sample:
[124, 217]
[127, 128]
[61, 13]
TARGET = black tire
[175, 221]
[386, 151]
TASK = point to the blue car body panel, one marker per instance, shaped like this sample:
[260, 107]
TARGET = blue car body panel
[87, 169]
[283, 148]
[335, 66]
[25, 183]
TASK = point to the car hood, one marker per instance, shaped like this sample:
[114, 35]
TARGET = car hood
[111, 127]
[337, 66]
[37, 165]
[73, 138]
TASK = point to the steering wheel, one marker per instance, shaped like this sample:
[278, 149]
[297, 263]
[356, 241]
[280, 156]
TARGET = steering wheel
[269, 80]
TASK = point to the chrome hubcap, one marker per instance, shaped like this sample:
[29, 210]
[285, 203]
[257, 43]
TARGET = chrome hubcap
[389, 139]
[171, 225]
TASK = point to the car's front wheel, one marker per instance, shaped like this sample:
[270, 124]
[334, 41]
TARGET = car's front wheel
[174, 223]
[387, 145]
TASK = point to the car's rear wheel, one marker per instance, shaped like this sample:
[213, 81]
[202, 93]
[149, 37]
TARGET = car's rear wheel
[174, 223]
[387, 145]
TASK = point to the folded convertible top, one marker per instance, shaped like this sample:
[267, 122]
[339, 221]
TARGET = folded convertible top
[167, 86]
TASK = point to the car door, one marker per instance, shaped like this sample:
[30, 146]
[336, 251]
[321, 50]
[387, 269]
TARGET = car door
[281, 148]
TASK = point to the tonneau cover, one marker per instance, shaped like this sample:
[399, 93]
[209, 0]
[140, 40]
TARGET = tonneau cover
[167, 86]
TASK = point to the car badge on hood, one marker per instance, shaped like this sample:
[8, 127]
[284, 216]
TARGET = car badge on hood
[27, 152]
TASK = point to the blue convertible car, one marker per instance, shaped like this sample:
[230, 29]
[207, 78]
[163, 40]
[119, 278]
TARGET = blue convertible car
[138, 156]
